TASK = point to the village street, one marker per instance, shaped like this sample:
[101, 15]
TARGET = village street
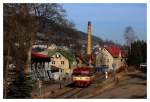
[129, 85]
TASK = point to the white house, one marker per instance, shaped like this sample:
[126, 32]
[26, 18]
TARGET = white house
[110, 55]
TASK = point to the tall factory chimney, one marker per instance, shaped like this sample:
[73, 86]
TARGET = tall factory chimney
[89, 42]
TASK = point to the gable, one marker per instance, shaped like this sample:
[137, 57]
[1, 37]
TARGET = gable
[59, 55]
[68, 55]
[107, 53]
[114, 51]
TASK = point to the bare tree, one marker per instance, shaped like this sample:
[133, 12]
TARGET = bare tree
[20, 27]
[53, 12]
[21, 24]
[129, 36]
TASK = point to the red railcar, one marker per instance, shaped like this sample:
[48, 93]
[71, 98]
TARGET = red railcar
[83, 76]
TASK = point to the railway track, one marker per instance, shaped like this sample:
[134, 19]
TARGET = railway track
[86, 90]
[98, 79]
[75, 92]
[68, 93]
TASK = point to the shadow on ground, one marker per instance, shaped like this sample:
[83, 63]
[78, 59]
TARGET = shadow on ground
[137, 76]
[138, 97]
[72, 85]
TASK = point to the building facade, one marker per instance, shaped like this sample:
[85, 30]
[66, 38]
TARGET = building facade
[62, 59]
[107, 56]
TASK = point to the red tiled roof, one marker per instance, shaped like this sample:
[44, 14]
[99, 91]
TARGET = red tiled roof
[38, 55]
[123, 54]
[114, 51]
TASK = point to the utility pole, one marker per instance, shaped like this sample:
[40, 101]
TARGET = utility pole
[60, 79]
[40, 87]
[114, 71]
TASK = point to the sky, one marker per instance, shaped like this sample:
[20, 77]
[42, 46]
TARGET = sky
[109, 20]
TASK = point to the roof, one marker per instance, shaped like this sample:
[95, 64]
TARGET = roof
[38, 55]
[66, 54]
[114, 51]
[49, 53]
[45, 52]
[37, 49]
[123, 54]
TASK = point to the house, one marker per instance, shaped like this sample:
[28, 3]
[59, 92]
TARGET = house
[52, 64]
[109, 56]
[81, 62]
[52, 47]
[42, 46]
[62, 59]
[55, 47]
[43, 67]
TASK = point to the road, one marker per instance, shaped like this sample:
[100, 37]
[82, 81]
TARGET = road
[130, 85]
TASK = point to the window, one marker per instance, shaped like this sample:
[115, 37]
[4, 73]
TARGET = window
[107, 60]
[121, 60]
[57, 56]
[62, 62]
[53, 62]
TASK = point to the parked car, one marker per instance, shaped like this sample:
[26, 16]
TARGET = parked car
[143, 67]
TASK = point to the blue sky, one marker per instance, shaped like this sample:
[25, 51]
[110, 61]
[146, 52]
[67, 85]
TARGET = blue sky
[109, 20]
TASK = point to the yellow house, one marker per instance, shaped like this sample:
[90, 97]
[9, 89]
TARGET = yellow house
[108, 56]
[62, 59]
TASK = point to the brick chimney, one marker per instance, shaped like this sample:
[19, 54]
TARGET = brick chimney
[89, 42]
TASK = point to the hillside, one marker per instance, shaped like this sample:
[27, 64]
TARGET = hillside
[66, 36]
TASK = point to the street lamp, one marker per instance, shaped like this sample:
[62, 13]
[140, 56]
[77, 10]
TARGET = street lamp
[40, 86]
